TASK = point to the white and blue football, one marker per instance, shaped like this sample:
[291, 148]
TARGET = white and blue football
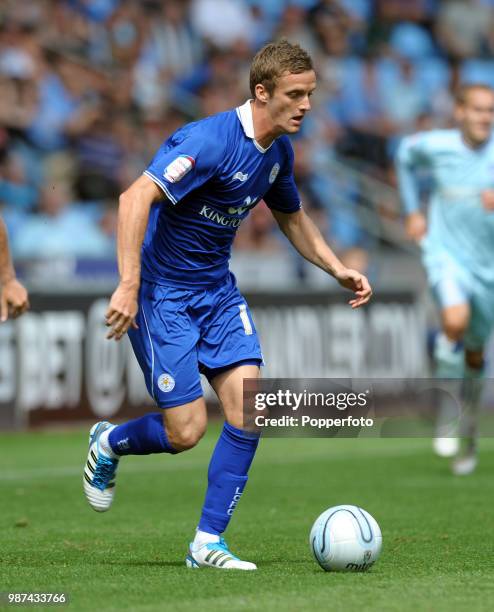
[345, 539]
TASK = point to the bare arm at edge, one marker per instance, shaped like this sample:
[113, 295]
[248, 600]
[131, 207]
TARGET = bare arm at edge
[13, 296]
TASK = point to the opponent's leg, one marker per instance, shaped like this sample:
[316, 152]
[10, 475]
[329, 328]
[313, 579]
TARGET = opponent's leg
[175, 430]
[449, 364]
[227, 475]
[466, 461]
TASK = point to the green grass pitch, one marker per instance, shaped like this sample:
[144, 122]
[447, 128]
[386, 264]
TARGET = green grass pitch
[437, 529]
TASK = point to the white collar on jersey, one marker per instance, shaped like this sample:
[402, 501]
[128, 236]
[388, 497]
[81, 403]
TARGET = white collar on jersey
[244, 114]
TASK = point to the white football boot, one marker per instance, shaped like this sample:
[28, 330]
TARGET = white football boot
[446, 447]
[215, 554]
[463, 466]
[99, 471]
[466, 461]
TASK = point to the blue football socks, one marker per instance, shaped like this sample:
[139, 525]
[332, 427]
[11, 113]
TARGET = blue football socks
[141, 436]
[227, 477]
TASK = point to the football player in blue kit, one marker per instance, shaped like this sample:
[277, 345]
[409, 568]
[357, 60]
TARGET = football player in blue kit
[178, 300]
[457, 242]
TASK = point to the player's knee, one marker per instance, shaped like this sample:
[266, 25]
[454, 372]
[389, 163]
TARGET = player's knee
[474, 359]
[238, 419]
[235, 411]
[454, 328]
[186, 437]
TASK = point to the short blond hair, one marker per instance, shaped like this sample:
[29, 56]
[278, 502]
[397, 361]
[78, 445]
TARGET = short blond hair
[274, 60]
[462, 92]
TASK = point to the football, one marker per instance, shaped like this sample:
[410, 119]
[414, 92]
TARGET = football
[345, 538]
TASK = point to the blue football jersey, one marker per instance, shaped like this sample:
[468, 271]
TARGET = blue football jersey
[213, 172]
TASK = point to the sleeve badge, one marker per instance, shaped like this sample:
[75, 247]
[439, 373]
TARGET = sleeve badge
[178, 168]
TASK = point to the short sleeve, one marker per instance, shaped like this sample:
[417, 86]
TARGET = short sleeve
[283, 195]
[184, 162]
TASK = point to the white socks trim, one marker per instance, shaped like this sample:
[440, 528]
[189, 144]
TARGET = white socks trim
[104, 444]
[203, 537]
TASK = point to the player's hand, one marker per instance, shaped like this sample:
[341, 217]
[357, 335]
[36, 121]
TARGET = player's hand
[13, 300]
[487, 197]
[356, 282]
[121, 312]
[416, 226]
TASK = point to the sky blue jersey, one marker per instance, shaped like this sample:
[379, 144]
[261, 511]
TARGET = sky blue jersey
[212, 172]
[457, 221]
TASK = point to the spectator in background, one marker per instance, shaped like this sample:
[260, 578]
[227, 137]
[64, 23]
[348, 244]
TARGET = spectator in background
[61, 229]
[15, 190]
[67, 102]
[125, 33]
[405, 98]
[94, 10]
[88, 88]
[332, 200]
[214, 86]
[99, 157]
[465, 28]
[294, 26]
[222, 23]
[67, 25]
[257, 232]
[17, 73]
[419, 11]
[149, 135]
[170, 50]
[332, 26]
[363, 112]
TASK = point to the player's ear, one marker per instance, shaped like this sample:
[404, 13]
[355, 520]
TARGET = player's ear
[458, 112]
[261, 93]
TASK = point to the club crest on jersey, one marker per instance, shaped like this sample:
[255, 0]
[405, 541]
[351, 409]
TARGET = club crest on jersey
[240, 176]
[274, 172]
[166, 382]
[178, 168]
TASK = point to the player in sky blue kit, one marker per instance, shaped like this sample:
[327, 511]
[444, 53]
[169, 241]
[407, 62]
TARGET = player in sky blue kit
[179, 302]
[457, 240]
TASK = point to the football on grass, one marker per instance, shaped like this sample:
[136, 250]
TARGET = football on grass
[345, 538]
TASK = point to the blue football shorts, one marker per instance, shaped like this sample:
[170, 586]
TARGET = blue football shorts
[452, 284]
[183, 333]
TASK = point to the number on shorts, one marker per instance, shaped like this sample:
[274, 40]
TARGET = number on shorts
[244, 317]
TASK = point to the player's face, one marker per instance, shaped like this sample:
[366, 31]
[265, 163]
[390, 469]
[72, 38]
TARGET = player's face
[290, 101]
[476, 116]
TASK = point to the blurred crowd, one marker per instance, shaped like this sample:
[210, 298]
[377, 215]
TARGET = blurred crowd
[90, 88]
